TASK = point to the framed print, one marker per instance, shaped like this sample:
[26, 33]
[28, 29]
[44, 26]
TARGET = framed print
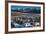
[24, 17]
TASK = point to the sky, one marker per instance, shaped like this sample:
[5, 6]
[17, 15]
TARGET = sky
[34, 9]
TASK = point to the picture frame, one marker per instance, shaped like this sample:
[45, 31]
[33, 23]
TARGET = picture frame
[15, 4]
